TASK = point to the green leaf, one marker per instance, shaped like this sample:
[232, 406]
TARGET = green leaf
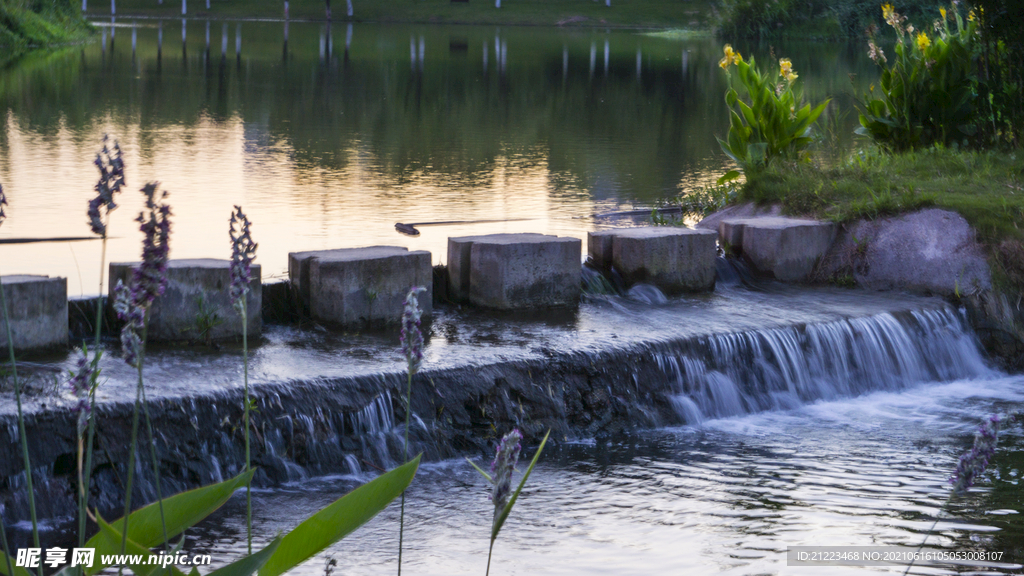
[250, 564]
[339, 519]
[729, 177]
[18, 570]
[500, 520]
[110, 537]
[480, 470]
[181, 511]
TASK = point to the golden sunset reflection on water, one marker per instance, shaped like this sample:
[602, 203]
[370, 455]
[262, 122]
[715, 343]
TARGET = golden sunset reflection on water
[210, 166]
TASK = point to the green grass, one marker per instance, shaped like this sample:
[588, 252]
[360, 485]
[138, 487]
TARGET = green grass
[578, 13]
[986, 188]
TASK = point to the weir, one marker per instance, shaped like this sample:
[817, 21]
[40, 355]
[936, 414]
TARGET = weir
[333, 403]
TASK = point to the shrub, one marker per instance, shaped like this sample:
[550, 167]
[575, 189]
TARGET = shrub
[774, 123]
[927, 93]
[1001, 69]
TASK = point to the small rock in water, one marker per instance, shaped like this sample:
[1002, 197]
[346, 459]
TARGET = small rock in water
[647, 294]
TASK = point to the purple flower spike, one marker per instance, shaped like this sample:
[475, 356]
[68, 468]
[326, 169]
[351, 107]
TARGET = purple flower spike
[243, 252]
[80, 383]
[3, 202]
[133, 317]
[501, 470]
[111, 168]
[150, 279]
[973, 462]
[412, 338]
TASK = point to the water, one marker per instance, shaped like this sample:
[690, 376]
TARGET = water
[727, 497]
[330, 139]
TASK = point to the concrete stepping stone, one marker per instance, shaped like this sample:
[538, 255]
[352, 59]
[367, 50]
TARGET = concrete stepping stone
[37, 308]
[674, 259]
[787, 249]
[359, 286]
[196, 304]
[515, 271]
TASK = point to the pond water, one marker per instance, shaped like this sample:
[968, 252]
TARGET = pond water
[329, 136]
[726, 498]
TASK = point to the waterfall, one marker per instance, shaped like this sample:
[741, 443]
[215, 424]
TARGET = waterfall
[730, 374]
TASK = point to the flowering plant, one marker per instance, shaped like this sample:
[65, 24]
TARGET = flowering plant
[927, 93]
[505, 458]
[773, 122]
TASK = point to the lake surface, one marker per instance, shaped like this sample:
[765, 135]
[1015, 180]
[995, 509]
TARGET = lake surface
[329, 136]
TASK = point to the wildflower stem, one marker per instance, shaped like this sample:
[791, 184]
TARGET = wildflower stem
[489, 550]
[926, 535]
[7, 548]
[85, 472]
[131, 449]
[156, 467]
[405, 458]
[21, 426]
[248, 465]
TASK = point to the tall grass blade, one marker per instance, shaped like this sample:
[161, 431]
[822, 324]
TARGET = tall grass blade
[340, 518]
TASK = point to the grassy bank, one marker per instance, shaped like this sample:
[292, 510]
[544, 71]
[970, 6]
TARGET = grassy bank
[986, 188]
[621, 13]
[26, 25]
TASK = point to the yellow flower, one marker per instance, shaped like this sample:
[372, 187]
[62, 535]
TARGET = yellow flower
[923, 41]
[731, 57]
[970, 16]
[943, 12]
[786, 69]
[887, 10]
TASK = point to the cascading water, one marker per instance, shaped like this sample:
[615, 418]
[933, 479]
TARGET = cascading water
[731, 374]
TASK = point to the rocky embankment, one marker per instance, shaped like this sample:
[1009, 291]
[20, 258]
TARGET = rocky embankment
[932, 252]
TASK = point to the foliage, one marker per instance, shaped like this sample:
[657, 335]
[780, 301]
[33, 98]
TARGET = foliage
[928, 93]
[504, 464]
[825, 19]
[700, 202]
[1001, 69]
[340, 518]
[775, 123]
[32, 23]
[771, 19]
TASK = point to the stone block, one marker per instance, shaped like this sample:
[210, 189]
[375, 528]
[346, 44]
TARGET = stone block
[459, 252]
[37, 308]
[599, 247]
[784, 248]
[360, 286]
[518, 271]
[730, 235]
[673, 259]
[196, 305]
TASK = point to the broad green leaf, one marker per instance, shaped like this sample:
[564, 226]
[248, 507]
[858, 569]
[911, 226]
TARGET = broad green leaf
[339, 519]
[18, 570]
[747, 112]
[729, 177]
[110, 537]
[181, 511]
[500, 520]
[479, 469]
[248, 565]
